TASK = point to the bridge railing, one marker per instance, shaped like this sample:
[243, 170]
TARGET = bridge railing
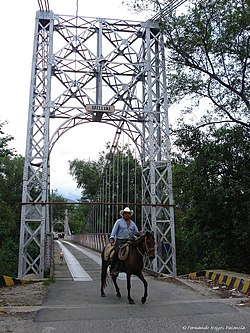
[93, 241]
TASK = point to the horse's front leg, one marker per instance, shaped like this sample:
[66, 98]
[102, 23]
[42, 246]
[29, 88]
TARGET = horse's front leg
[114, 277]
[141, 277]
[129, 288]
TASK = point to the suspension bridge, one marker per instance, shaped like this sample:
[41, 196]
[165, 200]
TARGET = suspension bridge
[110, 71]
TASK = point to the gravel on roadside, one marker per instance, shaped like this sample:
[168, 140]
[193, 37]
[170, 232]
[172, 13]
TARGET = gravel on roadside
[18, 306]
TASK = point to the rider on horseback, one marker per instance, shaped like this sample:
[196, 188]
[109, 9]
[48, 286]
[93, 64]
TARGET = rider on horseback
[122, 231]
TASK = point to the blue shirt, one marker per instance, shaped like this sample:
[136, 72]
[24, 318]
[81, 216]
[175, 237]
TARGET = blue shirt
[122, 231]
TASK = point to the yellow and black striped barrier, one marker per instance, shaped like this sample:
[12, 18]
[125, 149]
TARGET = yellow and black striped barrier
[7, 281]
[195, 275]
[231, 280]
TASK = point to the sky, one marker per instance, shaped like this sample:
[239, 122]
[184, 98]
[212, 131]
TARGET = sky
[17, 32]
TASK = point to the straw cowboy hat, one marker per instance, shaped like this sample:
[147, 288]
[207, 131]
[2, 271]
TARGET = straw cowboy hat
[126, 210]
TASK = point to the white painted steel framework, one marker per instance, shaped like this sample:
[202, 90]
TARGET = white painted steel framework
[79, 61]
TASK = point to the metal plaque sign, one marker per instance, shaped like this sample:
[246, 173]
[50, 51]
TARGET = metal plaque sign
[100, 108]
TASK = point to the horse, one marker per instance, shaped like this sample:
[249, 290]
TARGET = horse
[132, 265]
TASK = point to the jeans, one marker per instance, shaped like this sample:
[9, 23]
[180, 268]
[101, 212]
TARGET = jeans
[115, 262]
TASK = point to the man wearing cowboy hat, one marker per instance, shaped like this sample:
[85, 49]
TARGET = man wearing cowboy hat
[122, 231]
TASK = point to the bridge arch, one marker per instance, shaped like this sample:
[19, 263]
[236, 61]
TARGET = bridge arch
[77, 120]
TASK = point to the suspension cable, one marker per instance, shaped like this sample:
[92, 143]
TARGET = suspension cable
[117, 179]
[43, 5]
[172, 5]
[113, 185]
[135, 176]
[122, 165]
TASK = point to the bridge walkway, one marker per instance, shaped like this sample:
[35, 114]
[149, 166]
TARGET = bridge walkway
[74, 303]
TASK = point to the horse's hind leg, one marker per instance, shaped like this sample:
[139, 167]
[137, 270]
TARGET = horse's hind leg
[141, 277]
[114, 277]
[104, 276]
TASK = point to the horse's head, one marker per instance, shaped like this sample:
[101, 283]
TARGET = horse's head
[150, 245]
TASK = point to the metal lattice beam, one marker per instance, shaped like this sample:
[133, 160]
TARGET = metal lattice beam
[79, 61]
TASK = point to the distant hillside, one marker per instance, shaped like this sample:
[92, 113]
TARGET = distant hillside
[70, 197]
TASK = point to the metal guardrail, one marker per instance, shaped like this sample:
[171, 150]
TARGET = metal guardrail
[92, 241]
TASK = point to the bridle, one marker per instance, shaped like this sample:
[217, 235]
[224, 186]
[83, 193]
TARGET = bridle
[147, 249]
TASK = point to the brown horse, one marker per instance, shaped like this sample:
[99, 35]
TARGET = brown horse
[132, 265]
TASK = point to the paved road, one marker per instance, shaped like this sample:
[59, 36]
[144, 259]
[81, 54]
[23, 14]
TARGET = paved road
[74, 304]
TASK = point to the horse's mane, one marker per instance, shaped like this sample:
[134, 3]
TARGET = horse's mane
[139, 239]
[136, 241]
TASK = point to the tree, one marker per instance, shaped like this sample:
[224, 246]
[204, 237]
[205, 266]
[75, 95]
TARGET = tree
[120, 173]
[87, 175]
[4, 142]
[76, 214]
[57, 211]
[77, 218]
[212, 191]
[11, 173]
[208, 57]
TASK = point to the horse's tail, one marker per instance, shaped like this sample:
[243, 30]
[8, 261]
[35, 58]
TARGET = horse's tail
[105, 264]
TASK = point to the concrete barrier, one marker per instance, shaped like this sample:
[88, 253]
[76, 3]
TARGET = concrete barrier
[7, 281]
[232, 280]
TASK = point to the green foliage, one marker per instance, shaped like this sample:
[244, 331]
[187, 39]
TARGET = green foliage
[48, 281]
[57, 211]
[11, 180]
[4, 141]
[211, 186]
[142, 5]
[77, 218]
[9, 255]
[87, 174]
[11, 172]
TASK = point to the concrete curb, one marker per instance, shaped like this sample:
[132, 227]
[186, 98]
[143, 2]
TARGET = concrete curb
[230, 279]
[20, 308]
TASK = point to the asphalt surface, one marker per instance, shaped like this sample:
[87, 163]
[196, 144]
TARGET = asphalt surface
[74, 305]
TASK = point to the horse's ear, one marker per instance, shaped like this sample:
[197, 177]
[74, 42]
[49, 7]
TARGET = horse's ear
[149, 233]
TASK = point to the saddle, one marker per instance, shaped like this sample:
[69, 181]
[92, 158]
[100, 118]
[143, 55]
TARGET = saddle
[124, 248]
[122, 252]
[108, 252]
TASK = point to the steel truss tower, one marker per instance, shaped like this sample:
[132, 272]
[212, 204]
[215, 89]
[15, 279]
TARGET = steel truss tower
[80, 65]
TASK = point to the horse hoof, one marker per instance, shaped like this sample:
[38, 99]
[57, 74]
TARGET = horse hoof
[131, 301]
[143, 300]
[103, 294]
[119, 295]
